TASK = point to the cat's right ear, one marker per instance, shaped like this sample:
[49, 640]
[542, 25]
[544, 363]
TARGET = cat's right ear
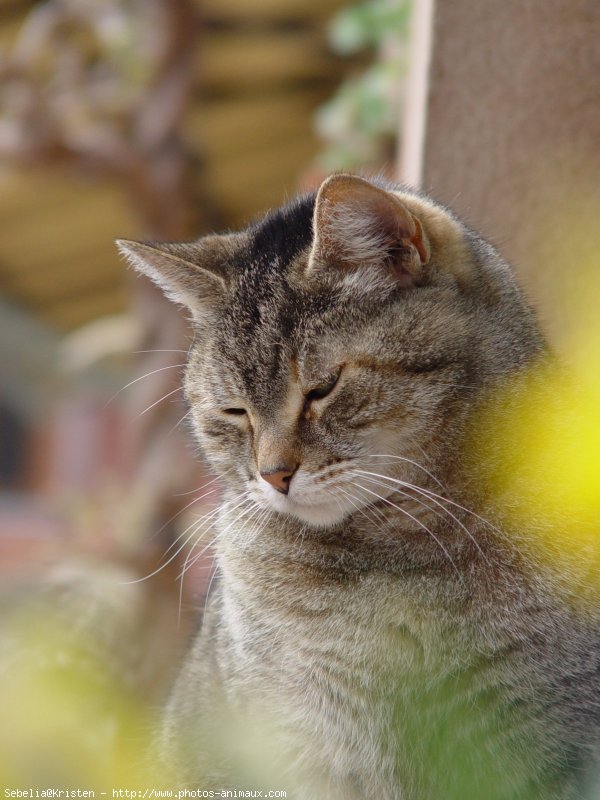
[191, 273]
[360, 226]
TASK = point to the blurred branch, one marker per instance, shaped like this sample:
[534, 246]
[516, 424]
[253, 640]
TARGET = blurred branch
[104, 86]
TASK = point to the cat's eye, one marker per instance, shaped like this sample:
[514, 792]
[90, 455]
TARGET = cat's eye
[235, 411]
[323, 389]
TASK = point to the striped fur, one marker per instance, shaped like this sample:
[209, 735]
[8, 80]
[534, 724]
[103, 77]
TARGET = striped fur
[364, 638]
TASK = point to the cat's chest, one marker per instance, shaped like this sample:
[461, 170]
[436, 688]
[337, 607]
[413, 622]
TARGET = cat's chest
[335, 669]
[357, 637]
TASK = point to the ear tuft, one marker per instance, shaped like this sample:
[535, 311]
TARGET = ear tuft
[359, 225]
[188, 273]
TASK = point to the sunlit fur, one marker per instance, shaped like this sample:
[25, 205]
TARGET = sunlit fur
[373, 633]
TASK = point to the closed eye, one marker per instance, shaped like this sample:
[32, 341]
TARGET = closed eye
[238, 411]
[321, 391]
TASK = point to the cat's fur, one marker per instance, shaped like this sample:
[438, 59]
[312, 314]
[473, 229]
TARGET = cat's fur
[365, 638]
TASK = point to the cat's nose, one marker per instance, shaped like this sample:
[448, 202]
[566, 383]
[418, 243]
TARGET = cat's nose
[280, 478]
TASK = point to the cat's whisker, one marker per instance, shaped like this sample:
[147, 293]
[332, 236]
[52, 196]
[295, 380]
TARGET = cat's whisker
[185, 569]
[187, 563]
[207, 595]
[456, 386]
[173, 556]
[429, 496]
[138, 352]
[201, 488]
[360, 487]
[262, 522]
[244, 518]
[408, 461]
[214, 574]
[164, 397]
[376, 514]
[162, 566]
[425, 455]
[417, 500]
[196, 524]
[140, 378]
[178, 423]
[416, 520]
[352, 500]
[181, 511]
[244, 512]
[338, 502]
[442, 498]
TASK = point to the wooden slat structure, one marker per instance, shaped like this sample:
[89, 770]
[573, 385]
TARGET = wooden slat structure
[261, 69]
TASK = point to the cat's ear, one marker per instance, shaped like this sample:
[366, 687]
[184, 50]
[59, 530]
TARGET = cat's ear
[191, 273]
[357, 224]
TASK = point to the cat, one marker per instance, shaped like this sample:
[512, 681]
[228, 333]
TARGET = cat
[372, 632]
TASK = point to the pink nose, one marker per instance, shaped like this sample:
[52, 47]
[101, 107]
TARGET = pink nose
[280, 478]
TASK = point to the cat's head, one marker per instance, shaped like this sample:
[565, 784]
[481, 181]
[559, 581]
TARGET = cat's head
[340, 343]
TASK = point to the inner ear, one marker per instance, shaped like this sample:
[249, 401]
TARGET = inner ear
[358, 224]
[191, 273]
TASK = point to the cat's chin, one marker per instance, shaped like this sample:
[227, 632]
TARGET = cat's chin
[319, 515]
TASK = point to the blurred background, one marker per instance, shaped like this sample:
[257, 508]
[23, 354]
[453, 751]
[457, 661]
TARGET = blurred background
[167, 119]
[155, 119]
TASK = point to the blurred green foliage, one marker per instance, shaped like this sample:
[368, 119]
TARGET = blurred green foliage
[360, 122]
[367, 24]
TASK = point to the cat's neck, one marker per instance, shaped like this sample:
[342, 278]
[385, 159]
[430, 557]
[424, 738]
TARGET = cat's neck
[283, 569]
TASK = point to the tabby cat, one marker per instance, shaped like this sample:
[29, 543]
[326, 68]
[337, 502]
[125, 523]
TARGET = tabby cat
[373, 630]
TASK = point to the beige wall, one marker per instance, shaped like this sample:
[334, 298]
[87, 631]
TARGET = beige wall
[511, 121]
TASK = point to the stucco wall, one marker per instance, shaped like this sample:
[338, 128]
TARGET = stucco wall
[512, 138]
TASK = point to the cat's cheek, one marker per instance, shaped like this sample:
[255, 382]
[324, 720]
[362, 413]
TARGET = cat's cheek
[222, 442]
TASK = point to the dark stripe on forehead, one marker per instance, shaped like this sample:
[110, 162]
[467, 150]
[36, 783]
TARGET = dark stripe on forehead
[283, 233]
[265, 311]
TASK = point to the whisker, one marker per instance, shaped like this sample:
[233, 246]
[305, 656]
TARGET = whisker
[417, 500]
[137, 352]
[422, 451]
[409, 461]
[186, 567]
[429, 496]
[244, 516]
[164, 397]
[181, 511]
[261, 522]
[207, 595]
[200, 488]
[141, 377]
[179, 549]
[210, 584]
[195, 500]
[418, 522]
[376, 515]
[187, 564]
[445, 499]
[177, 424]
[352, 501]
[197, 523]
[455, 385]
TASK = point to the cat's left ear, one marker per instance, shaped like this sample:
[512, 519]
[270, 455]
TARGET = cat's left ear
[358, 224]
[192, 273]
